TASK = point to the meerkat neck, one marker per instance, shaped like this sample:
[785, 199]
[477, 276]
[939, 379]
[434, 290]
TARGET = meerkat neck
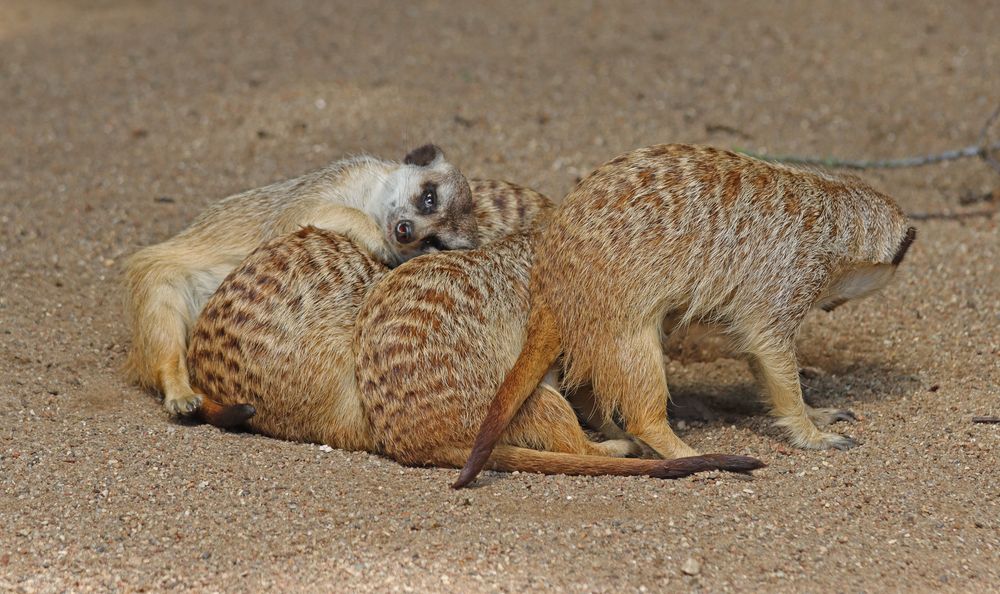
[361, 183]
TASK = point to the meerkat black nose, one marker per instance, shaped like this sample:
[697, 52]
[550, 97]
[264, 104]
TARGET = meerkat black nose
[404, 232]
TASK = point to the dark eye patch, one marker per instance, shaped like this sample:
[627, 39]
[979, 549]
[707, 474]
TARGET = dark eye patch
[434, 242]
[427, 202]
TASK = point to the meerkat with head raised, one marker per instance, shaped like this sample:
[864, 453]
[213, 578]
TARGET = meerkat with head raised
[411, 379]
[394, 211]
[708, 236]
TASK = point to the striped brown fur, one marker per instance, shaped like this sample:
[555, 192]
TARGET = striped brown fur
[433, 339]
[276, 335]
[708, 236]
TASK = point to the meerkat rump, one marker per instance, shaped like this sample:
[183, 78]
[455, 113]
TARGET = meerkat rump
[710, 236]
[392, 210]
[412, 378]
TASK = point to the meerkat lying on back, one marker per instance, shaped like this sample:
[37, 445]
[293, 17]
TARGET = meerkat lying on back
[711, 236]
[394, 211]
[412, 378]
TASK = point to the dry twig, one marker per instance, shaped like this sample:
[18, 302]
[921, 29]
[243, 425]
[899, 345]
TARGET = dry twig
[983, 149]
[986, 419]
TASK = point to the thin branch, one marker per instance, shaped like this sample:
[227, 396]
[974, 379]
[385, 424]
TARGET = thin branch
[917, 161]
[950, 216]
[984, 132]
[986, 420]
[984, 138]
[981, 149]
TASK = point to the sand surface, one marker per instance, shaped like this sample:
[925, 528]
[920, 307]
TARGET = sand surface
[120, 121]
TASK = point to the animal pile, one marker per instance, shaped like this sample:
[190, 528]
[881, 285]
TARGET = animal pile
[400, 309]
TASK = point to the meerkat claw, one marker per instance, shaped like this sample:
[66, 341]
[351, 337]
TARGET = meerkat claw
[845, 415]
[183, 405]
[827, 416]
[836, 441]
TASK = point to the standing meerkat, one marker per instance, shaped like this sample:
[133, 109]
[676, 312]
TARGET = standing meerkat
[710, 236]
[393, 210]
[432, 341]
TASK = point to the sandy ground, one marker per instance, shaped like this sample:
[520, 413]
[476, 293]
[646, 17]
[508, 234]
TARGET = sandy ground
[120, 121]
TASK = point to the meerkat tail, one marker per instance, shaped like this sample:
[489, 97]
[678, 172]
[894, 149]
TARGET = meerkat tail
[225, 416]
[510, 458]
[904, 245]
[539, 353]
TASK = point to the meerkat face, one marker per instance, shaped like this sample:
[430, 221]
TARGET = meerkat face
[429, 206]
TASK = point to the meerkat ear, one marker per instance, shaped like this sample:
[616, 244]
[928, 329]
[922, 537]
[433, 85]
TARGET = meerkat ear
[428, 154]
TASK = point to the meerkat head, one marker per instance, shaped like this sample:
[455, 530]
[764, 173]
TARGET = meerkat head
[429, 205]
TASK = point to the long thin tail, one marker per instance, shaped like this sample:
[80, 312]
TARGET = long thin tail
[539, 352]
[225, 416]
[511, 458]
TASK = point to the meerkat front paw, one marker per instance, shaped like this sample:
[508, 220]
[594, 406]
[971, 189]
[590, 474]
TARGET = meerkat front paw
[383, 253]
[183, 404]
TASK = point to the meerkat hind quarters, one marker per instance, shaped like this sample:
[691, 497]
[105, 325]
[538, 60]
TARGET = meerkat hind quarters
[710, 236]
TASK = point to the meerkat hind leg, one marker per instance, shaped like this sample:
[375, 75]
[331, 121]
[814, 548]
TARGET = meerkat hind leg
[634, 378]
[595, 417]
[548, 422]
[777, 373]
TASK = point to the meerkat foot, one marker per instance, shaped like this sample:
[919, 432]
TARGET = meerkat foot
[619, 448]
[684, 451]
[832, 441]
[645, 450]
[182, 404]
[804, 434]
[828, 416]
[669, 449]
[665, 445]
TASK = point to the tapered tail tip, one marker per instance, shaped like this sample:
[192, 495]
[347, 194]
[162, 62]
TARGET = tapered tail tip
[233, 416]
[681, 467]
[732, 463]
[467, 475]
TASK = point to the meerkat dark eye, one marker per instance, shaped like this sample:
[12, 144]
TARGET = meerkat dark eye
[428, 200]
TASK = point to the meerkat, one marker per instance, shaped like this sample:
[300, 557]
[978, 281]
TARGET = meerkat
[305, 290]
[411, 378]
[394, 211]
[709, 236]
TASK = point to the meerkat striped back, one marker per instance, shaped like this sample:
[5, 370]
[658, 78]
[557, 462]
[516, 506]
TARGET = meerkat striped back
[276, 335]
[433, 341]
[503, 208]
[721, 236]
